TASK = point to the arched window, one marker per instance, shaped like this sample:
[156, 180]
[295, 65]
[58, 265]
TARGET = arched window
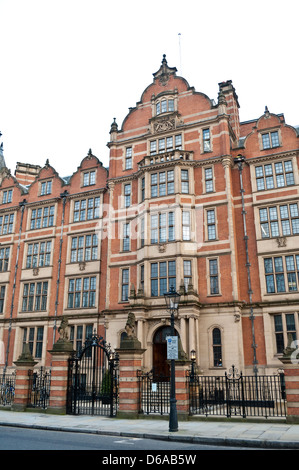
[217, 348]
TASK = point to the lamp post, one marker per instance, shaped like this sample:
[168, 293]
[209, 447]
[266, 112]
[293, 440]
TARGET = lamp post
[193, 359]
[172, 299]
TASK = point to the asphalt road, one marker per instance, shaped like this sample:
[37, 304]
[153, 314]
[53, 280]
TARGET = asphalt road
[14, 438]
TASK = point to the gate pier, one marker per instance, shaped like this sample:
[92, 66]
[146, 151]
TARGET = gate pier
[23, 365]
[290, 362]
[130, 361]
[61, 352]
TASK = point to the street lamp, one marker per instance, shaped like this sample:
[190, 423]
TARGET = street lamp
[172, 299]
[193, 359]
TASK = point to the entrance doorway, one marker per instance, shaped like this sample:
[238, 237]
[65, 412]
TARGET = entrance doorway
[161, 368]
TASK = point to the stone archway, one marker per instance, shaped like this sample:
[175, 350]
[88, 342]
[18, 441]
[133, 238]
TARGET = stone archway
[161, 368]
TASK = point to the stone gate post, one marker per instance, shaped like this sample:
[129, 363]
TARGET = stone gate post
[290, 362]
[23, 365]
[182, 388]
[130, 361]
[61, 353]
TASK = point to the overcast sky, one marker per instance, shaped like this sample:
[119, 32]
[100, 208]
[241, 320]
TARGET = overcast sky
[68, 67]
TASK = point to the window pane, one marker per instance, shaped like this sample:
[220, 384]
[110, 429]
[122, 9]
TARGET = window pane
[266, 141]
[171, 268]
[290, 321]
[274, 139]
[280, 283]
[269, 182]
[274, 229]
[278, 264]
[270, 284]
[260, 184]
[216, 336]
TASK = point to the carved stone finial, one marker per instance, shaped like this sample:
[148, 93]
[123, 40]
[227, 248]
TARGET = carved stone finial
[114, 126]
[267, 113]
[164, 72]
[26, 357]
[221, 98]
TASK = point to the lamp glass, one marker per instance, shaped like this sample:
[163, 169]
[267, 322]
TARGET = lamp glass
[193, 355]
[172, 299]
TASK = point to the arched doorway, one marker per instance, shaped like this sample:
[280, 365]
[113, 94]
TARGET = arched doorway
[161, 368]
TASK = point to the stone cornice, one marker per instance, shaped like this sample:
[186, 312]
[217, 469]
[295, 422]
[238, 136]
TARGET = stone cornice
[92, 192]
[273, 156]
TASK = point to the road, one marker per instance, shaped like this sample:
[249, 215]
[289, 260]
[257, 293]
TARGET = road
[14, 438]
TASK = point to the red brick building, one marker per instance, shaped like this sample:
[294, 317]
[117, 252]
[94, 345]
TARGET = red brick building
[193, 199]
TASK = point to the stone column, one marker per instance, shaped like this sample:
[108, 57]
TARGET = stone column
[291, 372]
[23, 365]
[61, 352]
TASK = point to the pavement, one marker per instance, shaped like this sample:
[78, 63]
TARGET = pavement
[246, 433]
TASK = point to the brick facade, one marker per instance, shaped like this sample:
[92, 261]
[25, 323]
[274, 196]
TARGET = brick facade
[169, 211]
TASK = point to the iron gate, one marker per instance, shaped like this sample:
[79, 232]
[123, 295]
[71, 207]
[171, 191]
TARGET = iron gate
[154, 393]
[39, 388]
[237, 395]
[93, 379]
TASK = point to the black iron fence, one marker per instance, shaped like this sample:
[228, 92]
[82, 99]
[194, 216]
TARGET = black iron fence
[154, 393]
[39, 388]
[237, 395]
[7, 389]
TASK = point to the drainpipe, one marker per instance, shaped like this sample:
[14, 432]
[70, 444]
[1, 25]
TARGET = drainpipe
[22, 205]
[239, 161]
[63, 196]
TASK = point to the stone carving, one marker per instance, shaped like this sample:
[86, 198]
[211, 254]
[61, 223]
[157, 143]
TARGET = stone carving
[162, 248]
[62, 330]
[281, 241]
[82, 265]
[164, 125]
[130, 341]
[130, 325]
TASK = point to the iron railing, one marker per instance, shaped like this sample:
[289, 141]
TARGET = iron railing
[39, 388]
[237, 395]
[154, 393]
[7, 389]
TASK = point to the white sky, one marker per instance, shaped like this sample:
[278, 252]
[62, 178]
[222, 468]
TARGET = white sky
[68, 67]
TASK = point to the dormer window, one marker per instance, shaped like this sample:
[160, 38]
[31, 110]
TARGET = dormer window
[164, 106]
[46, 188]
[89, 178]
[270, 140]
[7, 196]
